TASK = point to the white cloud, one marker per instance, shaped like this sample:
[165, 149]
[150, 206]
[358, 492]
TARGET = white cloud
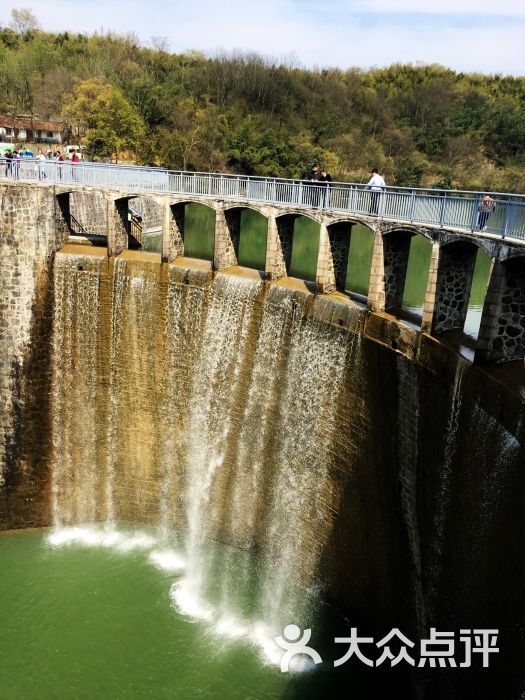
[474, 8]
[318, 33]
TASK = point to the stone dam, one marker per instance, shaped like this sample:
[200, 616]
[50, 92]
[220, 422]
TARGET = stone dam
[348, 452]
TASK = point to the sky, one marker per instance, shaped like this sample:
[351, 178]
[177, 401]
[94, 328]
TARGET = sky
[466, 35]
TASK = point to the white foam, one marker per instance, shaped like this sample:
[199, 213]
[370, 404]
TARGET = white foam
[89, 536]
[230, 627]
[187, 603]
[167, 560]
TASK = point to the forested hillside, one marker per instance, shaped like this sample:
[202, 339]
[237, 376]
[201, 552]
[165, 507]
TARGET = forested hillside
[421, 125]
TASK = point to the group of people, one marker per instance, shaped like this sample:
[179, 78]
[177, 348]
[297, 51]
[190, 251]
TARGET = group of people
[13, 159]
[376, 185]
[318, 177]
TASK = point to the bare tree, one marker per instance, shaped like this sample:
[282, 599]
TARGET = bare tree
[23, 20]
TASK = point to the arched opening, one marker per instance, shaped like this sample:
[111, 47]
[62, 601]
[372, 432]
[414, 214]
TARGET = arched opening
[502, 329]
[199, 231]
[478, 292]
[88, 216]
[305, 248]
[457, 262]
[253, 234]
[416, 279]
[403, 300]
[146, 213]
[357, 278]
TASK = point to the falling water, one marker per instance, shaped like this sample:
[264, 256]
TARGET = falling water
[76, 484]
[444, 493]
[209, 408]
[216, 394]
[408, 422]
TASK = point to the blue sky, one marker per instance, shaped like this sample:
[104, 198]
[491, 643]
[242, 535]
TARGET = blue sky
[466, 35]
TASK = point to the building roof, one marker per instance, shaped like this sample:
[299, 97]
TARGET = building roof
[28, 123]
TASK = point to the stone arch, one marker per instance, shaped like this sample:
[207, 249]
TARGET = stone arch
[396, 251]
[359, 271]
[211, 204]
[88, 210]
[502, 331]
[199, 223]
[339, 235]
[146, 218]
[345, 243]
[411, 229]
[229, 206]
[457, 259]
[490, 247]
[285, 230]
[299, 241]
[248, 230]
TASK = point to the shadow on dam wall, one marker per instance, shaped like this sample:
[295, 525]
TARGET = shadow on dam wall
[410, 470]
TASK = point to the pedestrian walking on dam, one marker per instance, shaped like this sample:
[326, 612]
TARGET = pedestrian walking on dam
[314, 194]
[486, 208]
[40, 160]
[16, 165]
[325, 178]
[376, 185]
[8, 163]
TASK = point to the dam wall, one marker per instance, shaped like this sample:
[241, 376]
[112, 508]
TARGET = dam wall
[349, 453]
[31, 230]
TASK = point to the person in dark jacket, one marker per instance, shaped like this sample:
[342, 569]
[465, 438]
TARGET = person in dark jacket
[325, 178]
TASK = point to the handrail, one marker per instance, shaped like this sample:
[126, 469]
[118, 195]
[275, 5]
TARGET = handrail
[74, 222]
[447, 209]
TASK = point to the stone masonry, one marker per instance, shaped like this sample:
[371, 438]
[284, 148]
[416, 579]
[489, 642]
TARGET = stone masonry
[502, 333]
[396, 251]
[454, 280]
[339, 236]
[31, 229]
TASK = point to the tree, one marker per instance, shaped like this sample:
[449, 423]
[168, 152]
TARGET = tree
[23, 21]
[104, 119]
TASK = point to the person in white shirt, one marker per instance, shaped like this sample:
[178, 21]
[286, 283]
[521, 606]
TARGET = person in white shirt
[376, 185]
[40, 160]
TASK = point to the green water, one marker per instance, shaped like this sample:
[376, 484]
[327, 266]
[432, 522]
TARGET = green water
[305, 248]
[95, 621]
[152, 242]
[477, 293]
[252, 245]
[359, 259]
[199, 231]
[417, 274]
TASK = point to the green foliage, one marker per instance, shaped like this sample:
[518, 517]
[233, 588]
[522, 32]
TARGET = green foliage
[105, 120]
[420, 125]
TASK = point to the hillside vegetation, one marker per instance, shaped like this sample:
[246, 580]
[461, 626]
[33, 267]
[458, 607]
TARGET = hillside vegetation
[421, 125]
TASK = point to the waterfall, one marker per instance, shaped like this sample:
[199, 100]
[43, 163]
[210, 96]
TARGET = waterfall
[208, 408]
[443, 494]
[408, 454]
[216, 393]
[76, 484]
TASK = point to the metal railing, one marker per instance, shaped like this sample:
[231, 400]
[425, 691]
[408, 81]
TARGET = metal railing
[449, 209]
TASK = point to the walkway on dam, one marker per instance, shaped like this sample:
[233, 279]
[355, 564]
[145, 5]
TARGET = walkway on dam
[454, 210]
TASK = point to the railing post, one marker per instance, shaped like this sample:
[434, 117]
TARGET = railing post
[474, 220]
[412, 205]
[443, 209]
[505, 227]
